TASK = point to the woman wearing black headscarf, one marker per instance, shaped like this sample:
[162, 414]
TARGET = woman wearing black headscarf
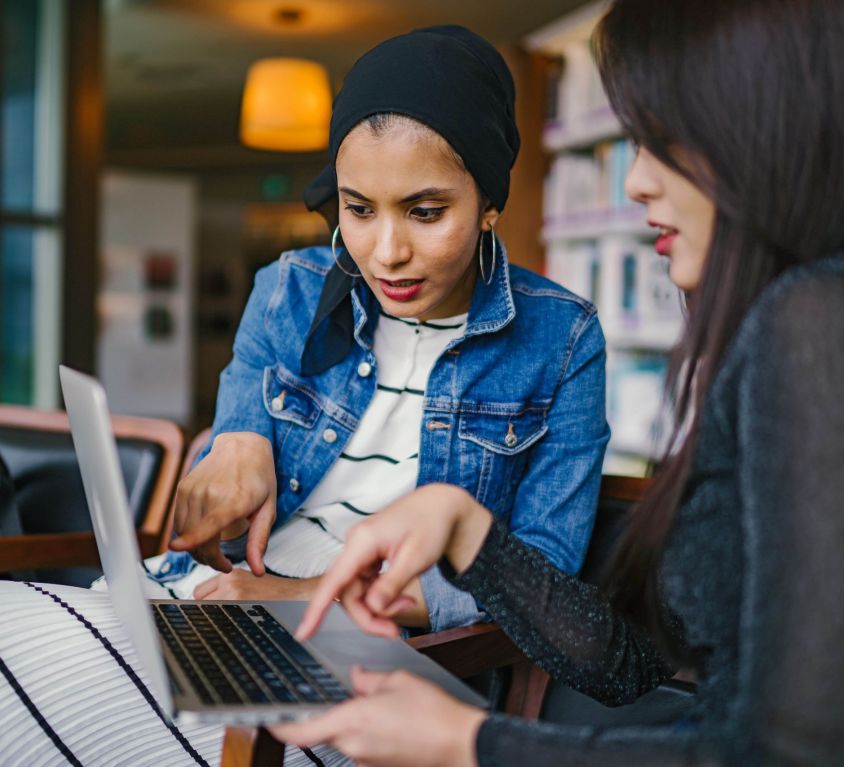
[409, 352]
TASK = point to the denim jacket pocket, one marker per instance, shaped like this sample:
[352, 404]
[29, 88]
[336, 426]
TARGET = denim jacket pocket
[495, 443]
[286, 399]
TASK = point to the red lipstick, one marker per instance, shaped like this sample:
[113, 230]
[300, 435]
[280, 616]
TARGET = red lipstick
[664, 242]
[665, 239]
[400, 290]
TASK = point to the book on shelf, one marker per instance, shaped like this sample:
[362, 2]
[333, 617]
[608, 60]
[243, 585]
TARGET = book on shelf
[639, 306]
[634, 402]
[587, 182]
[580, 94]
[635, 282]
[659, 299]
[553, 76]
[574, 266]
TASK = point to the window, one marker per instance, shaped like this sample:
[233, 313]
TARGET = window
[31, 215]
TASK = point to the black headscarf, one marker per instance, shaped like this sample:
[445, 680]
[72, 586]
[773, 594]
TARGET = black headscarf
[451, 80]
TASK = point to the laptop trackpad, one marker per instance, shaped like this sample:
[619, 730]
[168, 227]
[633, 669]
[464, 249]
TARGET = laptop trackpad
[340, 644]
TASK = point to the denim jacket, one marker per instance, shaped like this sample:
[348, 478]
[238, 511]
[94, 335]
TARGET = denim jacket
[513, 410]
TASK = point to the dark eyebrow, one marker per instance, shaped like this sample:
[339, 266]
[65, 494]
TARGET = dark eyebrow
[432, 191]
[353, 193]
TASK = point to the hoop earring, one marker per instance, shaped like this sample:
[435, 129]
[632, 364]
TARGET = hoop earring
[487, 281]
[334, 253]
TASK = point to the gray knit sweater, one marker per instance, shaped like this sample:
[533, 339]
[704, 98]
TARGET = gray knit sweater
[754, 570]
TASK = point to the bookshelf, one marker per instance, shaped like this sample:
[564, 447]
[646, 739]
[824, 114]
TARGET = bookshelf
[599, 125]
[594, 224]
[597, 242]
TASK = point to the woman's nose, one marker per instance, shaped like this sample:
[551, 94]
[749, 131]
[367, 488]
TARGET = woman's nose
[390, 248]
[642, 183]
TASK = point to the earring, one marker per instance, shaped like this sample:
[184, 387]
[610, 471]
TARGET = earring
[334, 253]
[487, 281]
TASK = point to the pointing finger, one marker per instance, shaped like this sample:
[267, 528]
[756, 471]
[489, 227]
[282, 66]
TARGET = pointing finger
[259, 534]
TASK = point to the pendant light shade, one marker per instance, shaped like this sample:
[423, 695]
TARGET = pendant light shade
[286, 106]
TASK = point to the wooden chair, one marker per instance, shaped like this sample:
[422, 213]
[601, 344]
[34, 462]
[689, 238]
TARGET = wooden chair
[470, 650]
[37, 447]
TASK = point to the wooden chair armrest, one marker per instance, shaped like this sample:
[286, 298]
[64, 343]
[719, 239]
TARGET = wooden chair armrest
[47, 550]
[31, 552]
[469, 650]
[251, 747]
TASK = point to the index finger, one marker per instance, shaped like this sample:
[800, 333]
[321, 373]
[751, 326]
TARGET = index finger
[348, 566]
[211, 554]
[260, 528]
[208, 527]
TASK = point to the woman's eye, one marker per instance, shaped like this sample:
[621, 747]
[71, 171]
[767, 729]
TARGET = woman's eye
[428, 214]
[358, 210]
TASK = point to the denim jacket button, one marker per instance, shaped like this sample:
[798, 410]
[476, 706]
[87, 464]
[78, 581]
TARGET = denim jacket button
[329, 436]
[294, 485]
[277, 404]
[510, 440]
[364, 369]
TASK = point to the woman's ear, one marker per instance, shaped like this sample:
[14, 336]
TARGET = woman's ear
[489, 218]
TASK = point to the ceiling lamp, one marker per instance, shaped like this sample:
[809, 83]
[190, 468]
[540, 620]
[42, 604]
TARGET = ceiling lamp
[286, 106]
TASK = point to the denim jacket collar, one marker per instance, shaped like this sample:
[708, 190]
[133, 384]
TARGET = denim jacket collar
[492, 305]
[333, 330]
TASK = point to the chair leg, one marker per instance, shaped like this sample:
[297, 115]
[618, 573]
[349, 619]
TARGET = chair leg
[251, 747]
[528, 685]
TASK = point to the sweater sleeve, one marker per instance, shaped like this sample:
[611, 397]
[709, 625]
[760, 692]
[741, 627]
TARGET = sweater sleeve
[566, 626]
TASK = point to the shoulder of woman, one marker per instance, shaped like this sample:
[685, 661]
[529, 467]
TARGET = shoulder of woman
[530, 289]
[804, 303]
[317, 259]
[314, 261]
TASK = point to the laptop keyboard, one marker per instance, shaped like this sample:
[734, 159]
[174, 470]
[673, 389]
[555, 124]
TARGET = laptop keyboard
[231, 659]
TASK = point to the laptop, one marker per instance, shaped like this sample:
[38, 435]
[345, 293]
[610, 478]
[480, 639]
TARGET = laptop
[221, 662]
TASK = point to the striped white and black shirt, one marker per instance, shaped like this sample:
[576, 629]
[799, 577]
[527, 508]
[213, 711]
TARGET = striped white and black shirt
[381, 461]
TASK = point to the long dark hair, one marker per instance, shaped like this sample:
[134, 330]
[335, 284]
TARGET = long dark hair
[753, 92]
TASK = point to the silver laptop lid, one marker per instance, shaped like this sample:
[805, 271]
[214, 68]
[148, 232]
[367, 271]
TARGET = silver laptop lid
[105, 491]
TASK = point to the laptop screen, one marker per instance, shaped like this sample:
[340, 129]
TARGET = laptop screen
[105, 491]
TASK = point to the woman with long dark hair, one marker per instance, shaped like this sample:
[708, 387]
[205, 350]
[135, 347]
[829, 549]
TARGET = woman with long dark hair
[733, 564]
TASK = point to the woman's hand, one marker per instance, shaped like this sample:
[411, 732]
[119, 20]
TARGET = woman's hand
[398, 720]
[242, 584]
[231, 490]
[410, 536]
